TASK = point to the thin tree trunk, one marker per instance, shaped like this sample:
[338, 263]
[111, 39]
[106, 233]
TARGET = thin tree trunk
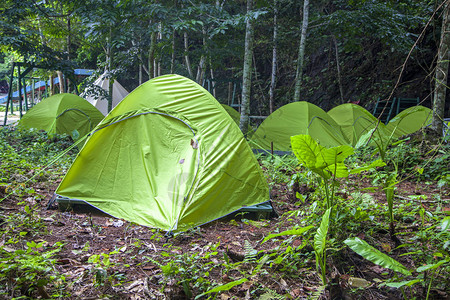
[110, 67]
[202, 64]
[441, 73]
[68, 49]
[52, 85]
[151, 56]
[274, 57]
[186, 56]
[301, 51]
[172, 62]
[212, 79]
[61, 82]
[200, 70]
[247, 72]
[140, 73]
[338, 66]
[158, 58]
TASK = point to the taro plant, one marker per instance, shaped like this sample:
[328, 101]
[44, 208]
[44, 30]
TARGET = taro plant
[382, 140]
[328, 163]
[320, 241]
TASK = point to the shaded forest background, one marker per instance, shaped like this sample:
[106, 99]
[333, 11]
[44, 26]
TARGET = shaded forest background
[355, 50]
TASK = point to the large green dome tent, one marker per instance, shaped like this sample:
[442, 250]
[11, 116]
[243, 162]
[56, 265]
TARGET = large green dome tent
[294, 119]
[63, 113]
[167, 156]
[409, 121]
[354, 121]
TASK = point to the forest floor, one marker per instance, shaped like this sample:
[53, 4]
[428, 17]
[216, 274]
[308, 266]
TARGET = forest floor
[53, 254]
[108, 258]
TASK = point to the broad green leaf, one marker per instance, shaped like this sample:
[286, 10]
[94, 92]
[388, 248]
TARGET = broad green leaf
[445, 225]
[375, 256]
[306, 150]
[334, 155]
[403, 283]
[432, 266]
[364, 139]
[299, 231]
[224, 287]
[340, 169]
[320, 238]
[374, 164]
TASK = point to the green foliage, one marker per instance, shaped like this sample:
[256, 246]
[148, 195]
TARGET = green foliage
[24, 154]
[328, 163]
[296, 232]
[191, 271]
[320, 240]
[103, 269]
[223, 287]
[370, 253]
[31, 271]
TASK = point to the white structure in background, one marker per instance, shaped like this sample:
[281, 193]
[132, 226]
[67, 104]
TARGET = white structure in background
[119, 92]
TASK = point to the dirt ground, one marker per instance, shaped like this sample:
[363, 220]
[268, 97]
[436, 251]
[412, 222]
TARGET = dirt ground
[139, 247]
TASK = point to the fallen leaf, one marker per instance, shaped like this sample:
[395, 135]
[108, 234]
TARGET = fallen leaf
[224, 297]
[386, 247]
[296, 293]
[355, 282]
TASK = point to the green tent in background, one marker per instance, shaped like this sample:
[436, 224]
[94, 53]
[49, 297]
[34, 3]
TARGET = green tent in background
[63, 113]
[294, 119]
[167, 156]
[409, 121]
[236, 116]
[354, 121]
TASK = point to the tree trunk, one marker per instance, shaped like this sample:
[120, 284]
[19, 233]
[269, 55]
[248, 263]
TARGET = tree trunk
[301, 51]
[151, 56]
[61, 82]
[68, 49]
[110, 66]
[211, 71]
[202, 64]
[52, 85]
[338, 66]
[158, 58]
[441, 73]
[172, 62]
[274, 57]
[247, 72]
[186, 56]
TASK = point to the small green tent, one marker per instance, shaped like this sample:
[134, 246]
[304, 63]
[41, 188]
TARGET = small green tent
[63, 113]
[409, 121]
[167, 156]
[236, 116]
[293, 119]
[354, 121]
